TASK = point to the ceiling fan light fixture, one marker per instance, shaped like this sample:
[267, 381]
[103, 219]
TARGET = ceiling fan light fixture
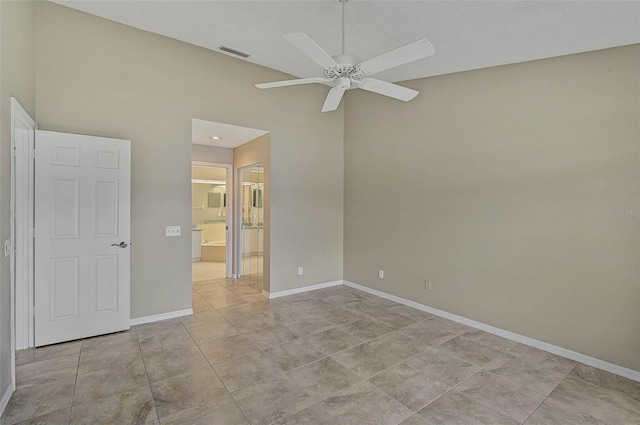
[346, 72]
[343, 83]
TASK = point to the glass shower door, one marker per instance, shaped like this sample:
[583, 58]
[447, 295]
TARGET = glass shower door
[252, 178]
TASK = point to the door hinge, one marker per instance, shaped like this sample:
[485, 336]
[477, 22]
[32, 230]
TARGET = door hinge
[33, 310]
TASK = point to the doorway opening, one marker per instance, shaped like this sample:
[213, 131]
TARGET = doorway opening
[210, 221]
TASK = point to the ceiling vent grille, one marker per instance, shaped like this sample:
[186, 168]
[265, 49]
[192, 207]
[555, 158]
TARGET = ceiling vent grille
[233, 51]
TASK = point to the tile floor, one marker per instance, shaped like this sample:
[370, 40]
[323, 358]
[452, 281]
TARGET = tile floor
[207, 270]
[335, 356]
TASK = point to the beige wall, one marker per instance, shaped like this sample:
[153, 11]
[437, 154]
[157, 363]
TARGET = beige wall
[209, 173]
[495, 185]
[205, 153]
[17, 62]
[257, 151]
[98, 77]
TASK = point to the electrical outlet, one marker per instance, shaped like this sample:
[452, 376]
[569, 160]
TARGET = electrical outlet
[380, 274]
[300, 271]
[172, 231]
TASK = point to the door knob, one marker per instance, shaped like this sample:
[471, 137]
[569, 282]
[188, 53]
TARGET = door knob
[120, 245]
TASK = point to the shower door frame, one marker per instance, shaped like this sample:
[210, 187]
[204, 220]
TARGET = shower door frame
[238, 258]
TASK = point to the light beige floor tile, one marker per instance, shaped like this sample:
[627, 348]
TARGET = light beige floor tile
[544, 359]
[469, 350]
[106, 382]
[415, 420]
[162, 364]
[442, 367]
[177, 337]
[400, 346]
[409, 386]
[412, 313]
[252, 322]
[61, 417]
[550, 413]
[432, 332]
[186, 391]
[493, 341]
[333, 340]
[157, 328]
[366, 329]
[132, 407]
[280, 368]
[292, 354]
[530, 374]
[103, 341]
[360, 404]
[269, 401]
[109, 356]
[227, 348]
[38, 400]
[213, 331]
[365, 360]
[45, 371]
[607, 380]
[309, 325]
[199, 304]
[602, 403]
[392, 319]
[504, 396]
[455, 409]
[222, 410]
[270, 336]
[202, 318]
[322, 378]
[49, 352]
[243, 371]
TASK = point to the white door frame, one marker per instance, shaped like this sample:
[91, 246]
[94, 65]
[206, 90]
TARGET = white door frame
[22, 209]
[229, 230]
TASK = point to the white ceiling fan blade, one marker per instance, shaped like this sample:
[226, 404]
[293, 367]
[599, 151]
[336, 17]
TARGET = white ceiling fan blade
[408, 53]
[291, 83]
[333, 99]
[388, 89]
[310, 48]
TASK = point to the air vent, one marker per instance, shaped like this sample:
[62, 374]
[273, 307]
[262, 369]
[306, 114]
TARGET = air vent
[233, 51]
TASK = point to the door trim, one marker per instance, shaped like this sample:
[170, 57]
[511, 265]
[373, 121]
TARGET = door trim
[22, 173]
[229, 264]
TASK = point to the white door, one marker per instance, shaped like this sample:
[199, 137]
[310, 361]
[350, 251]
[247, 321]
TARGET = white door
[82, 226]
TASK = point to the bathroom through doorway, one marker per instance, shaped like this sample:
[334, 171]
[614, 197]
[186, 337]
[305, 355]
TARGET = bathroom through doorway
[210, 221]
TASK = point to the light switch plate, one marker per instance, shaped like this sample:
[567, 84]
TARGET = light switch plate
[172, 231]
[7, 247]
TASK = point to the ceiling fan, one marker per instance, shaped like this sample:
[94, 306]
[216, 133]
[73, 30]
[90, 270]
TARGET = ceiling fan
[346, 72]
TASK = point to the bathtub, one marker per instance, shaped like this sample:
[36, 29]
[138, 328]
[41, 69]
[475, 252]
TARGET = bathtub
[214, 251]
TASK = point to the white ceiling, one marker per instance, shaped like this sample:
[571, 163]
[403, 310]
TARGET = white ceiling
[466, 34]
[232, 136]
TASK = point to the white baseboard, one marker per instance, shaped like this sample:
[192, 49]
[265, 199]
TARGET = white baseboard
[294, 291]
[163, 316]
[554, 349]
[6, 397]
